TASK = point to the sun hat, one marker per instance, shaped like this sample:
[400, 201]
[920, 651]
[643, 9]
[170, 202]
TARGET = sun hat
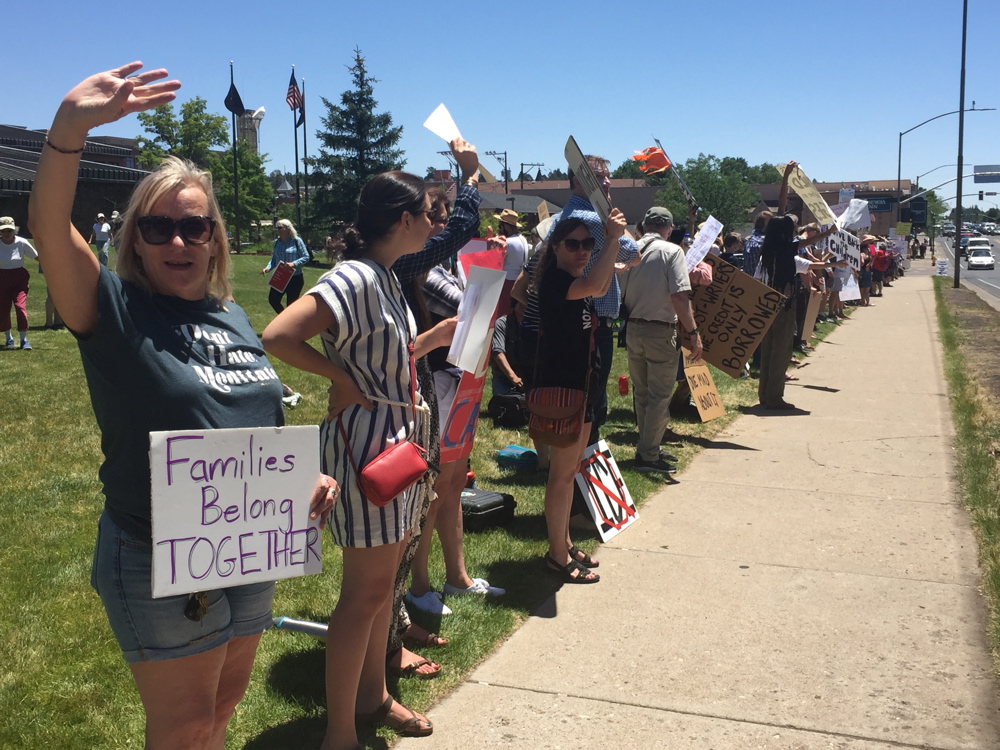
[7, 222]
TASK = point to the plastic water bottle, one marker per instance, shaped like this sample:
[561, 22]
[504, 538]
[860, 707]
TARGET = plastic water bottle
[315, 629]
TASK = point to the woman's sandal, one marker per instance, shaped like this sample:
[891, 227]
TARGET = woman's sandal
[410, 670]
[431, 640]
[572, 572]
[415, 726]
[583, 558]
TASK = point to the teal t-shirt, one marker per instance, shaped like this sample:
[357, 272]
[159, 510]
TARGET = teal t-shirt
[163, 363]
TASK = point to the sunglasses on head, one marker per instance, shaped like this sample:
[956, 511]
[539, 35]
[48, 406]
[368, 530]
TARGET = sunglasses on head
[159, 230]
[574, 246]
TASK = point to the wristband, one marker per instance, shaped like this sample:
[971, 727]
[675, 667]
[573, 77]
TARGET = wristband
[694, 332]
[54, 147]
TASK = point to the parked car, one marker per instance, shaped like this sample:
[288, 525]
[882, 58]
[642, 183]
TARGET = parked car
[980, 258]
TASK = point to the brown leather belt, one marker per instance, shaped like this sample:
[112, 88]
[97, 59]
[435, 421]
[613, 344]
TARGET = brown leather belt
[653, 322]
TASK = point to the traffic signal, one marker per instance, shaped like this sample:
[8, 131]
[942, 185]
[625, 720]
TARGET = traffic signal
[980, 195]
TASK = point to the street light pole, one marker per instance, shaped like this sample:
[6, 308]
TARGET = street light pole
[961, 133]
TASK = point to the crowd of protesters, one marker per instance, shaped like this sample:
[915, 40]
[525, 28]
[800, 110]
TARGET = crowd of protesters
[386, 315]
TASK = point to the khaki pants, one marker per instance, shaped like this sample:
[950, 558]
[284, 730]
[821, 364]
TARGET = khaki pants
[652, 365]
[775, 354]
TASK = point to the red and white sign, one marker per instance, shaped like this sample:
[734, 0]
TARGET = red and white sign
[604, 490]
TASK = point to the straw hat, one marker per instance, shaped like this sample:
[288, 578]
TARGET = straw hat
[509, 216]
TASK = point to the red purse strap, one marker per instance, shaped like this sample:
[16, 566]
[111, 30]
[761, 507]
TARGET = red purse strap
[413, 405]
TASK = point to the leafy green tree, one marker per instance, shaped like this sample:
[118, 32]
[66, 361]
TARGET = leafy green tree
[726, 196]
[356, 144]
[557, 174]
[256, 194]
[191, 137]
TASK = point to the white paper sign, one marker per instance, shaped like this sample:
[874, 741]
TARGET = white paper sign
[853, 214]
[850, 290]
[231, 507]
[942, 267]
[582, 172]
[846, 245]
[441, 124]
[475, 315]
[703, 242]
[604, 490]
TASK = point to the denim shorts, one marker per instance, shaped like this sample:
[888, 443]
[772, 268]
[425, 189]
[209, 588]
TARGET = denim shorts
[149, 629]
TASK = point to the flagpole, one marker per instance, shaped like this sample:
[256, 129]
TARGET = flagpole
[295, 134]
[305, 148]
[236, 170]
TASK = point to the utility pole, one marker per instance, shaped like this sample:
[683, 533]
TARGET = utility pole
[523, 165]
[506, 172]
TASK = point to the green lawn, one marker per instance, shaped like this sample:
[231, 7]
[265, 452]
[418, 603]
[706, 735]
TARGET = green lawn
[63, 682]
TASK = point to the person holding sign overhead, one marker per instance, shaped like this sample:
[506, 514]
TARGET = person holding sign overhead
[147, 338]
[290, 251]
[569, 359]
[370, 342]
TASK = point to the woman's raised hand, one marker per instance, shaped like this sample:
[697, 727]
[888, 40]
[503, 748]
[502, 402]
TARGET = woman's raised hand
[109, 96]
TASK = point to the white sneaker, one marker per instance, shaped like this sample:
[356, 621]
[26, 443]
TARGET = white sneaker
[479, 586]
[430, 603]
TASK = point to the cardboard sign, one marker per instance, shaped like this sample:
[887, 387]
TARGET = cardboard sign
[476, 252]
[231, 507]
[903, 228]
[805, 189]
[543, 211]
[604, 491]
[853, 214]
[476, 311]
[703, 391]
[582, 172]
[732, 314]
[845, 246]
[812, 313]
[280, 277]
[703, 242]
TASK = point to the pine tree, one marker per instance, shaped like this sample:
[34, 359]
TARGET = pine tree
[356, 145]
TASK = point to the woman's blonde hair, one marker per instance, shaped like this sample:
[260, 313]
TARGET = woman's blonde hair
[288, 225]
[173, 174]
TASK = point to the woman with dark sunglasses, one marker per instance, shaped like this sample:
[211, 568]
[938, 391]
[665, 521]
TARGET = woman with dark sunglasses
[147, 337]
[566, 359]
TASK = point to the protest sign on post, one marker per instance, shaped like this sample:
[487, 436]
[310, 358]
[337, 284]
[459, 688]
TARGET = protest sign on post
[582, 172]
[703, 391]
[805, 189]
[703, 242]
[903, 228]
[608, 499]
[231, 507]
[732, 314]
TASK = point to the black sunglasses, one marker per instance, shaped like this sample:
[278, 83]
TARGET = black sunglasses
[159, 230]
[574, 245]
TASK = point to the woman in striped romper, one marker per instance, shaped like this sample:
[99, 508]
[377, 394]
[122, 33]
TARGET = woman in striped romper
[359, 312]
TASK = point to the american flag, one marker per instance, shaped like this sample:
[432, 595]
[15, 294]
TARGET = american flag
[294, 96]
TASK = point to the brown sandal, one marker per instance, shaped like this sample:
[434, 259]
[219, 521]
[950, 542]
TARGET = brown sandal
[410, 670]
[431, 640]
[412, 727]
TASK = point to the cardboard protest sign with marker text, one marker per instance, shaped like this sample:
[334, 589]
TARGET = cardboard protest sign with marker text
[845, 246]
[231, 507]
[608, 499]
[805, 189]
[732, 314]
[703, 391]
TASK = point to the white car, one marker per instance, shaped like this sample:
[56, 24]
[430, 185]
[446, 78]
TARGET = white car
[979, 258]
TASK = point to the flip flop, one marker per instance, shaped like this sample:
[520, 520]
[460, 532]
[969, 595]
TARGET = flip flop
[415, 726]
[410, 670]
[790, 377]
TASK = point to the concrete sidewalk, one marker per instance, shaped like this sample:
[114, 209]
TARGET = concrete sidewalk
[810, 583]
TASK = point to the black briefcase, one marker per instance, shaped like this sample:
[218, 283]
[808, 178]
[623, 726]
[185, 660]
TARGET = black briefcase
[482, 509]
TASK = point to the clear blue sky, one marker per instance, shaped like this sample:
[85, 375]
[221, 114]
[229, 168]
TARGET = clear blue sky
[830, 84]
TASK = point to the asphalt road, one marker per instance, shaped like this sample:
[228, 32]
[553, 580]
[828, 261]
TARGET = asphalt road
[987, 282]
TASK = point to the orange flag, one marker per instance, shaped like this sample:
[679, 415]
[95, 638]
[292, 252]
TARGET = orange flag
[654, 160]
